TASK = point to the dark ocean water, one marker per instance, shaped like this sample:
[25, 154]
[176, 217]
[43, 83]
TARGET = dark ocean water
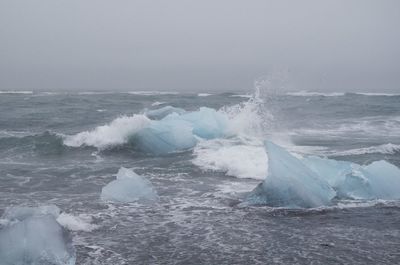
[197, 219]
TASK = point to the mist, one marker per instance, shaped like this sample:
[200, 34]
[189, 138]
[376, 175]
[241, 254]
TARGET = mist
[199, 45]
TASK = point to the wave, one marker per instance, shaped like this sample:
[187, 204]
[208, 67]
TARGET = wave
[158, 103]
[312, 94]
[243, 159]
[15, 92]
[389, 149]
[305, 93]
[241, 96]
[204, 94]
[47, 143]
[376, 126]
[116, 133]
[376, 94]
[177, 130]
[152, 93]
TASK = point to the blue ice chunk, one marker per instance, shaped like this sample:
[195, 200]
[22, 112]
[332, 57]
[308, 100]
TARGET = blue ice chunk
[34, 237]
[128, 187]
[160, 113]
[165, 136]
[290, 183]
[333, 171]
[379, 180]
[384, 179]
[207, 123]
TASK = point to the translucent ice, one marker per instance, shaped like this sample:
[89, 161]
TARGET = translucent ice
[34, 237]
[160, 113]
[379, 180]
[128, 187]
[290, 183]
[384, 179]
[206, 123]
[165, 136]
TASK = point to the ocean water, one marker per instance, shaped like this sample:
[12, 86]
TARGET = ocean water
[63, 148]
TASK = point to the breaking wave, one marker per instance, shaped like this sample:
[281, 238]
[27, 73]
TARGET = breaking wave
[242, 159]
[115, 133]
[313, 94]
[378, 149]
[171, 129]
[305, 93]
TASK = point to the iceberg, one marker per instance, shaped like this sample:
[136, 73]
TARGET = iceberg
[128, 187]
[378, 180]
[165, 136]
[161, 113]
[180, 132]
[34, 237]
[384, 180]
[206, 123]
[290, 183]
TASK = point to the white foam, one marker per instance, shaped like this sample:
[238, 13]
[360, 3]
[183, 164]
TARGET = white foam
[76, 223]
[304, 93]
[248, 118]
[377, 94]
[15, 92]
[115, 133]
[378, 149]
[238, 160]
[157, 103]
[242, 96]
[203, 94]
[153, 93]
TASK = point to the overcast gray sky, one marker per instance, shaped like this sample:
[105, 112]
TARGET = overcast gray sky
[203, 45]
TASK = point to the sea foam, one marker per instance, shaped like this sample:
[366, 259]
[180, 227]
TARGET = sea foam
[113, 134]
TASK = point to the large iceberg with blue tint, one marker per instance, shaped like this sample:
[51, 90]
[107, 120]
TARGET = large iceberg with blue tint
[165, 136]
[207, 123]
[314, 181]
[180, 132]
[32, 236]
[290, 183]
[128, 187]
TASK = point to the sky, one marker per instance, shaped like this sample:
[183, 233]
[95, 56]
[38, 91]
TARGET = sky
[207, 45]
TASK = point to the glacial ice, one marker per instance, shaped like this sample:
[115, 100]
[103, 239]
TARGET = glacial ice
[165, 136]
[207, 123]
[160, 113]
[128, 187]
[379, 180]
[34, 237]
[384, 179]
[179, 132]
[290, 183]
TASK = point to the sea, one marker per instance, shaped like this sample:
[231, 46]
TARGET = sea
[62, 148]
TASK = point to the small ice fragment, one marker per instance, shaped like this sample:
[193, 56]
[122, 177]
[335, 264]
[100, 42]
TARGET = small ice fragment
[128, 187]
